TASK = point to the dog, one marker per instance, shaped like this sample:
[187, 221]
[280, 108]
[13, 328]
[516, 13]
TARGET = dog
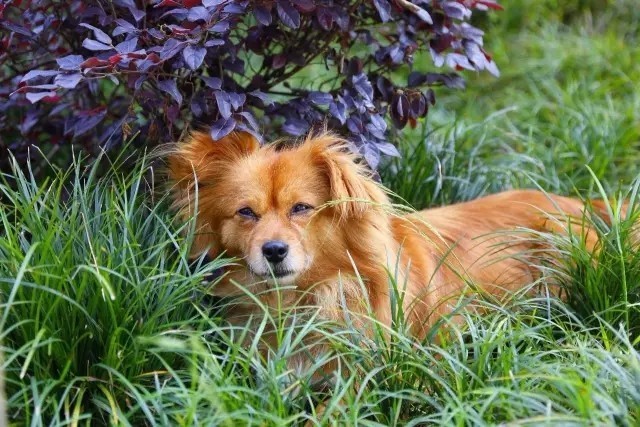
[309, 220]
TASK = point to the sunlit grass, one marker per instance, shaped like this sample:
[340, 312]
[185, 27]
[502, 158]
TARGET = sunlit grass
[105, 320]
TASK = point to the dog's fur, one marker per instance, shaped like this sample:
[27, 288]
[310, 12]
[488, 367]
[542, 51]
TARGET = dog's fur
[343, 250]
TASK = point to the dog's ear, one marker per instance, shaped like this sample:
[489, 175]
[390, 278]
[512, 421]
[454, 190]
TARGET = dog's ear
[352, 189]
[201, 155]
[195, 163]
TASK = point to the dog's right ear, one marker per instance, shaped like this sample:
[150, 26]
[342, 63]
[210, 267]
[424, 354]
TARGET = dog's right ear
[199, 158]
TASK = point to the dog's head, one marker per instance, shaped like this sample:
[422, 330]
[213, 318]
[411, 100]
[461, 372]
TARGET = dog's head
[279, 210]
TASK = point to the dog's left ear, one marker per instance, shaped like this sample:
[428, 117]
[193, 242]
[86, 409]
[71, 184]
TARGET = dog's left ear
[352, 189]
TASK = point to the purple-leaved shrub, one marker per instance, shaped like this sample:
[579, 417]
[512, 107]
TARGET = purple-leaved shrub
[94, 73]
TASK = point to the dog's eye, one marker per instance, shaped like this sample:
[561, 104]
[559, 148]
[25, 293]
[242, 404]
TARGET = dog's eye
[247, 213]
[300, 208]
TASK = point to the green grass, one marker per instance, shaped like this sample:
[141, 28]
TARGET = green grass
[104, 321]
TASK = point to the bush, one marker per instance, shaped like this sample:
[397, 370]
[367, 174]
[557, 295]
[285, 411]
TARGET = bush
[95, 74]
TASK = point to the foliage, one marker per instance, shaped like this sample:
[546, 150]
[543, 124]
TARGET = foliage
[87, 267]
[104, 324]
[93, 74]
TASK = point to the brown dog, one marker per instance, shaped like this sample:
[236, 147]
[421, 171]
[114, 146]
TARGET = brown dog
[311, 219]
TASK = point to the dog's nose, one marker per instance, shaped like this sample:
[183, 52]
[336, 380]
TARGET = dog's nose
[275, 251]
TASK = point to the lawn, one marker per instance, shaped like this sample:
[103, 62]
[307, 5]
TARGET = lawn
[105, 320]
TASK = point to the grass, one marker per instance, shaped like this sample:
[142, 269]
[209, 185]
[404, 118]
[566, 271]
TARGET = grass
[105, 321]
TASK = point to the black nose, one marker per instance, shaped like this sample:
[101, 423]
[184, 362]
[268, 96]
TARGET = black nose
[275, 251]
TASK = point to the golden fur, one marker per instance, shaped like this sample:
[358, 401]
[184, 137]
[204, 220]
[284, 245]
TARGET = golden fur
[352, 231]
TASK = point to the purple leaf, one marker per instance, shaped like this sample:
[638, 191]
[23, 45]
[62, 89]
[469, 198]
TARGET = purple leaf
[193, 56]
[86, 124]
[70, 62]
[355, 125]
[222, 127]
[170, 87]
[212, 82]
[363, 86]
[250, 120]
[320, 98]
[262, 14]
[325, 18]
[124, 27]
[212, 3]
[16, 28]
[455, 10]
[266, 99]
[171, 48]
[384, 9]
[198, 13]
[38, 73]
[295, 127]
[371, 155]
[339, 111]
[100, 35]
[214, 42]
[237, 99]
[305, 6]
[220, 27]
[288, 14]
[127, 46]
[279, 61]
[235, 8]
[95, 45]
[34, 97]
[224, 103]
[68, 81]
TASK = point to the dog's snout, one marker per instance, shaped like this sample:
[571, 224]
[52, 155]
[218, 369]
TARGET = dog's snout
[275, 251]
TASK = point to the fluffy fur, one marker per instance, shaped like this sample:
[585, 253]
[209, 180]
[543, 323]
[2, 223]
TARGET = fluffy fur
[351, 231]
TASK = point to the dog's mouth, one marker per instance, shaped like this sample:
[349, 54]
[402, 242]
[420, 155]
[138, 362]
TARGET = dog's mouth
[275, 273]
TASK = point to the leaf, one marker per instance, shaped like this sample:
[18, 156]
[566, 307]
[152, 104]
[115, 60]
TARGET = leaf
[295, 127]
[416, 78]
[288, 14]
[339, 110]
[363, 86]
[262, 14]
[325, 18]
[127, 46]
[86, 124]
[214, 42]
[171, 48]
[212, 3]
[320, 98]
[266, 99]
[250, 120]
[455, 10]
[70, 62]
[95, 45]
[171, 87]
[220, 27]
[384, 9]
[279, 61]
[100, 35]
[212, 82]
[194, 56]
[68, 81]
[305, 6]
[38, 73]
[34, 97]
[224, 103]
[198, 13]
[371, 155]
[124, 27]
[237, 99]
[222, 127]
